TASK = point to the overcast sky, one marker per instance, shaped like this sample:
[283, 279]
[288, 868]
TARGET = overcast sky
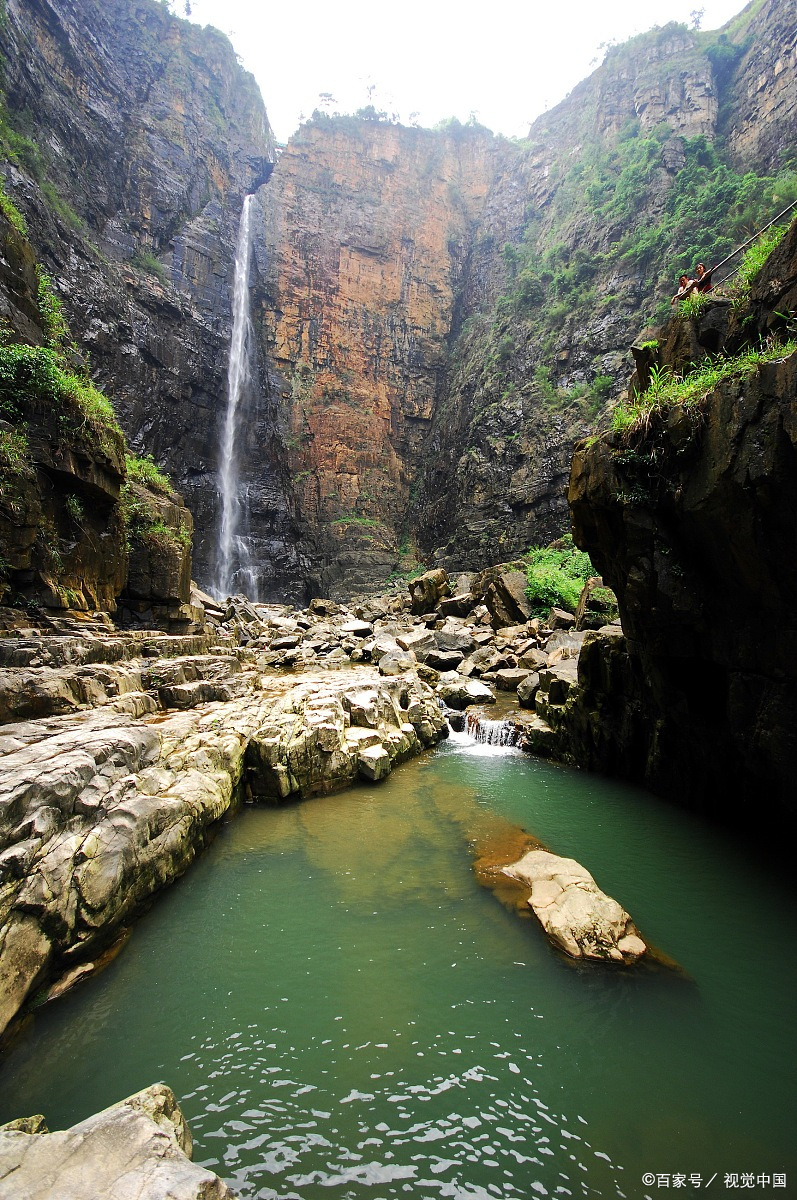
[506, 61]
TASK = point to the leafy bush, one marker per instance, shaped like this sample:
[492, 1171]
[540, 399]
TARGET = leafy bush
[556, 576]
[752, 262]
[144, 523]
[146, 261]
[35, 373]
[52, 313]
[693, 305]
[145, 470]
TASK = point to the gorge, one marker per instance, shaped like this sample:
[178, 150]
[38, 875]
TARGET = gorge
[278, 426]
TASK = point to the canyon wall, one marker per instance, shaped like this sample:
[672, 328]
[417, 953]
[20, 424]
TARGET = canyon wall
[691, 517]
[130, 139]
[366, 232]
[438, 315]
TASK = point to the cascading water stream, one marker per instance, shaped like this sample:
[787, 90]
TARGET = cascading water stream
[234, 557]
[482, 735]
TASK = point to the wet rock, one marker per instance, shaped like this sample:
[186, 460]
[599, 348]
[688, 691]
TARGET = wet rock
[374, 763]
[577, 916]
[139, 1149]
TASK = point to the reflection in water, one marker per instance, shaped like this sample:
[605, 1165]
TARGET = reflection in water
[343, 1010]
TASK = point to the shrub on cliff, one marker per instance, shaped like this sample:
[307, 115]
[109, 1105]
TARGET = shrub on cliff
[556, 576]
[33, 375]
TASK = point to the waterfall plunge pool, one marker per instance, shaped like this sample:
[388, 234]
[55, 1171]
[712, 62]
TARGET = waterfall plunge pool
[343, 1011]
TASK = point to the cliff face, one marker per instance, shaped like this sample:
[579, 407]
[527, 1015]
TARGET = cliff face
[438, 315]
[692, 519]
[134, 138]
[366, 228]
[615, 191]
[758, 113]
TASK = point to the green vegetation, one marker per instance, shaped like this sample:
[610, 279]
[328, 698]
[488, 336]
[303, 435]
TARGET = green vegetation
[690, 389]
[11, 212]
[13, 453]
[752, 262]
[146, 261]
[35, 374]
[144, 524]
[144, 470]
[693, 305]
[74, 506]
[556, 576]
[349, 520]
[54, 322]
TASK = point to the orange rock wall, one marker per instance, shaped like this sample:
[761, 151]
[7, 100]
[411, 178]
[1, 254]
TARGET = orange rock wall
[366, 230]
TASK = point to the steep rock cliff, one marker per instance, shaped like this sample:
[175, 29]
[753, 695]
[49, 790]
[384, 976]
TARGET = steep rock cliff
[366, 228]
[615, 191]
[438, 315]
[691, 518]
[131, 138]
[75, 532]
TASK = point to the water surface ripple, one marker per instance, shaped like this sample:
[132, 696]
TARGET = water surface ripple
[343, 1012]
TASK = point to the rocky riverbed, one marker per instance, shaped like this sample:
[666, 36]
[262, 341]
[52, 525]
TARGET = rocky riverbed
[121, 750]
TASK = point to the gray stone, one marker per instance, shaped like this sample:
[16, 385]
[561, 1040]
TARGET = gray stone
[396, 662]
[506, 599]
[527, 690]
[444, 660]
[419, 641]
[459, 693]
[428, 589]
[139, 1149]
[510, 679]
[374, 763]
[559, 619]
[453, 637]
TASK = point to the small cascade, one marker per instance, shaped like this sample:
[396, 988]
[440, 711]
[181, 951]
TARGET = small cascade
[236, 572]
[491, 733]
[480, 735]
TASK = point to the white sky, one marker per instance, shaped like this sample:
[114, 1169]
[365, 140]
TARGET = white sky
[506, 61]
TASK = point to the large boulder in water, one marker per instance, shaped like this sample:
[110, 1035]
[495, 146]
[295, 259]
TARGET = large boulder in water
[577, 916]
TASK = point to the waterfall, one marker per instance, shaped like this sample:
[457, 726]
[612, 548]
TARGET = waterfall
[480, 735]
[235, 568]
[492, 733]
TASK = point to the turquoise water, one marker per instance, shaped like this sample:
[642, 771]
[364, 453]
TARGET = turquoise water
[343, 1012]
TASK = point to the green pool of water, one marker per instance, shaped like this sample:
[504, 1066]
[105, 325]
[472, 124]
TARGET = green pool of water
[342, 1010]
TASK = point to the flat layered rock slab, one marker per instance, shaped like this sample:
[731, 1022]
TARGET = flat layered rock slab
[100, 809]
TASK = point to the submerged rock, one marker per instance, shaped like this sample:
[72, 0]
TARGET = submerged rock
[577, 916]
[138, 1149]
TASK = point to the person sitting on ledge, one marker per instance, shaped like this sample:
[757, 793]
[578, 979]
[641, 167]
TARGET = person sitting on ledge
[685, 287]
[703, 279]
